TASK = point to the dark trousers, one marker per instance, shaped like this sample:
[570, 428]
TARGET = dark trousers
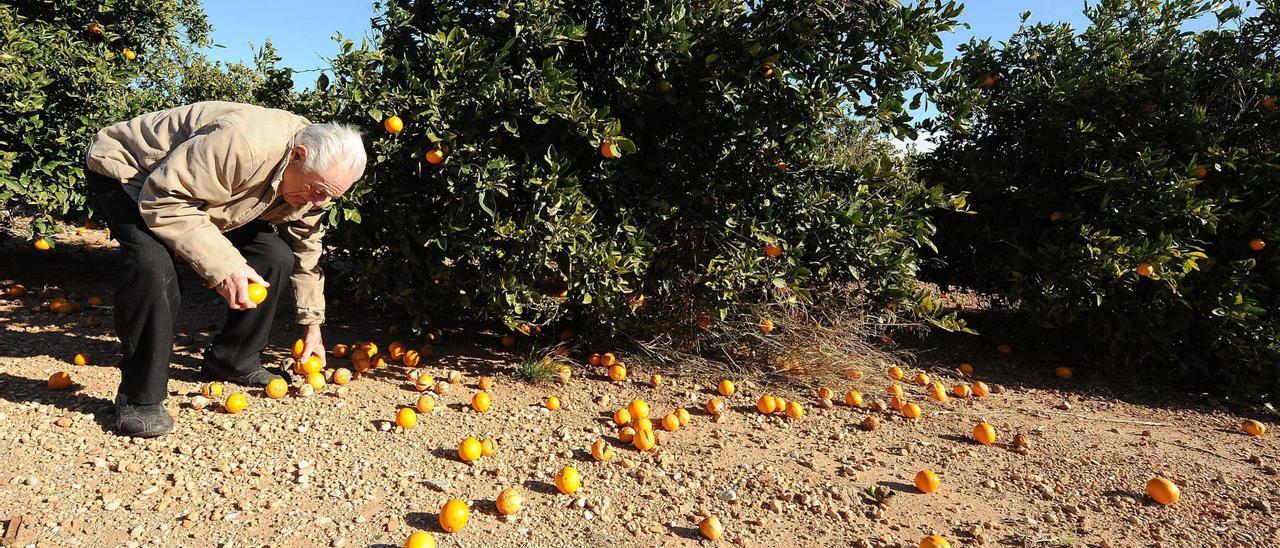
[148, 296]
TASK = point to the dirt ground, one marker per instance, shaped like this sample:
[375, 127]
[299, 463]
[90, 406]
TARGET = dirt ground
[330, 470]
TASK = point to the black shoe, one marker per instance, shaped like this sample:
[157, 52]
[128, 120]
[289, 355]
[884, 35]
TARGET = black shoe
[257, 378]
[141, 420]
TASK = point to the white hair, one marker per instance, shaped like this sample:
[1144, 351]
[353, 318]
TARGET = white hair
[329, 143]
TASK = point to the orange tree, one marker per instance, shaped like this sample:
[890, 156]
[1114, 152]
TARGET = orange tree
[68, 68]
[592, 159]
[1122, 183]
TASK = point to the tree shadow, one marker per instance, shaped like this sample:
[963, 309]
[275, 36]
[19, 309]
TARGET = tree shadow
[23, 390]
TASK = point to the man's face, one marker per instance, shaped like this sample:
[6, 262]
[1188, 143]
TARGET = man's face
[299, 187]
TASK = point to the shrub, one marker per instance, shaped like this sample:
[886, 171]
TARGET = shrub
[1085, 155]
[724, 116]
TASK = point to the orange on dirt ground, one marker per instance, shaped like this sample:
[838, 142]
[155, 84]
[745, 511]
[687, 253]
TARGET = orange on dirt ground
[655, 380]
[984, 433]
[1163, 491]
[454, 516]
[341, 376]
[411, 358]
[211, 390]
[60, 381]
[1253, 428]
[980, 389]
[795, 410]
[626, 434]
[622, 417]
[911, 411]
[406, 418]
[1063, 373]
[767, 404]
[644, 439]
[683, 416]
[934, 541]
[420, 539]
[552, 403]
[966, 368]
[80, 359]
[766, 326]
[339, 351]
[601, 451]
[894, 390]
[568, 481]
[470, 450]
[825, 393]
[486, 382]
[425, 404]
[509, 501]
[480, 402]
[639, 409]
[608, 359]
[235, 403]
[960, 390]
[395, 351]
[896, 373]
[927, 481]
[715, 406]
[617, 372]
[726, 388]
[921, 379]
[594, 359]
[642, 423]
[670, 422]
[277, 389]
[711, 528]
[488, 447]
[316, 380]
[853, 398]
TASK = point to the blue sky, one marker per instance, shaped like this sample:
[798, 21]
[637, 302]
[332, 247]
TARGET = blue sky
[301, 30]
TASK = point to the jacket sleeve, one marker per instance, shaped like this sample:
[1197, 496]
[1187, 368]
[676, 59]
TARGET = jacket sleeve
[200, 171]
[305, 236]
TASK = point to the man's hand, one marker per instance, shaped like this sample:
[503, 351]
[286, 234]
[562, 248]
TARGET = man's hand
[235, 288]
[313, 343]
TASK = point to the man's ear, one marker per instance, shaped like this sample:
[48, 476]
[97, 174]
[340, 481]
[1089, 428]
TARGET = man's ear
[298, 154]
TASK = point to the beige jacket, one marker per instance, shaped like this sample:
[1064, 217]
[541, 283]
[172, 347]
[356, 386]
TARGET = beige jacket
[203, 169]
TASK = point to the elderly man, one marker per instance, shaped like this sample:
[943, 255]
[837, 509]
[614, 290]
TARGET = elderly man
[238, 192]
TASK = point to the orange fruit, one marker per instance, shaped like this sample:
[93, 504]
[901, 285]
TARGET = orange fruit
[568, 481]
[277, 389]
[937, 391]
[1163, 491]
[766, 326]
[781, 165]
[670, 422]
[1199, 172]
[424, 383]
[896, 373]
[1145, 269]
[80, 359]
[655, 380]
[312, 365]
[795, 410]
[911, 411]
[420, 539]
[257, 294]
[642, 423]
[340, 351]
[454, 516]
[1003, 348]
[1257, 244]
[95, 301]
[95, 28]
[711, 528]
[921, 379]
[626, 434]
[128, 54]
[17, 290]
[435, 156]
[470, 450]
[934, 541]
[622, 417]
[766, 404]
[488, 447]
[211, 390]
[960, 390]
[779, 404]
[617, 372]
[1055, 216]
[980, 389]
[610, 150]
[726, 388]
[406, 418]
[772, 251]
[60, 381]
[480, 402]
[896, 403]
[853, 398]
[966, 368]
[486, 382]
[1269, 102]
[552, 403]
[644, 440]
[1063, 373]
[235, 403]
[683, 416]
[42, 244]
[393, 124]
[396, 350]
[715, 406]
[594, 359]
[601, 451]
[639, 409]
[509, 501]
[894, 390]
[425, 403]
[927, 481]
[316, 380]
[341, 376]
[984, 433]
[825, 393]
[1253, 428]
[608, 359]
[411, 358]
[298, 346]
[508, 341]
